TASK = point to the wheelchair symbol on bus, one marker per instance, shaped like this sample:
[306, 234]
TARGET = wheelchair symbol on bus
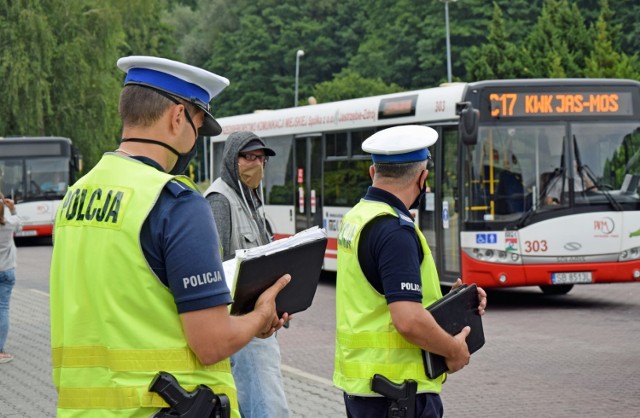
[486, 238]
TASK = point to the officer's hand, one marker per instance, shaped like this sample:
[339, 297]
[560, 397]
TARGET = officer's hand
[266, 305]
[461, 356]
[10, 205]
[482, 299]
[458, 283]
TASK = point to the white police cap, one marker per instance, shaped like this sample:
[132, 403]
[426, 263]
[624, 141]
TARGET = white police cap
[401, 144]
[187, 82]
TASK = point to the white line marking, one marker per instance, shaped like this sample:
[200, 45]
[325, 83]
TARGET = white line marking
[303, 374]
[40, 292]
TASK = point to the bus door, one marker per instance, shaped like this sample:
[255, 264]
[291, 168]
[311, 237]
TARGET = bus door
[439, 211]
[308, 181]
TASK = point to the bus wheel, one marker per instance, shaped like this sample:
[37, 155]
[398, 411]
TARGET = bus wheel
[561, 289]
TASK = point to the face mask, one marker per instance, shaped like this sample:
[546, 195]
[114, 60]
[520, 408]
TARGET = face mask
[423, 191]
[183, 159]
[251, 175]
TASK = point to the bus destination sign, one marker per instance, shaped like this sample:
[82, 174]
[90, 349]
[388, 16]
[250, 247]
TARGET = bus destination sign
[397, 107]
[540, 104]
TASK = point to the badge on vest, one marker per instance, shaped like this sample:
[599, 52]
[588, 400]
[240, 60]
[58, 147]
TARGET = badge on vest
[94, 205]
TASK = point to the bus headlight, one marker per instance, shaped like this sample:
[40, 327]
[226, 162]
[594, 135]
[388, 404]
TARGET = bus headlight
[493, 256]
[630, 254]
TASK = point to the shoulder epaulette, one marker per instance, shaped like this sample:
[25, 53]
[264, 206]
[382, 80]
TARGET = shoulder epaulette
[403, 219]
[176, 188]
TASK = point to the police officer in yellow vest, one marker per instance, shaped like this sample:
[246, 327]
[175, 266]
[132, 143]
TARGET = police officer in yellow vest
[137, 284]
[386, 277]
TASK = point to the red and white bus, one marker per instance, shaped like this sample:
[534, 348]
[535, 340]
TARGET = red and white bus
[35, 173]
[503, 145]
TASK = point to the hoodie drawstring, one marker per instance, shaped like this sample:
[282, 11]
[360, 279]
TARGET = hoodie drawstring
[264, 217]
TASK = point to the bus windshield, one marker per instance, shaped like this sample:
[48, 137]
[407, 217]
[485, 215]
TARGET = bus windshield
[516, 168]
[35, 172]
[26, 180]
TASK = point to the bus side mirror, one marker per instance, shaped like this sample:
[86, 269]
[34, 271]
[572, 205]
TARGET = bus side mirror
[468, 124]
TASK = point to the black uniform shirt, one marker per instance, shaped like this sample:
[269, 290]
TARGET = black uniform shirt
[390, 253]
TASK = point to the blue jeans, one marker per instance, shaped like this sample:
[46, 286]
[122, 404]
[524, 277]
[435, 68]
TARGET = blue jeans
[256, 370]
[7, 280]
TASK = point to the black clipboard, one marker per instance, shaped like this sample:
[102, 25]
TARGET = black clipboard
[454, 311]
[303, 262]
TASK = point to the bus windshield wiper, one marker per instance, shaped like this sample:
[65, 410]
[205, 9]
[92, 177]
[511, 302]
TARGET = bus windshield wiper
[599, 187]
[522, 221]
[612, 201]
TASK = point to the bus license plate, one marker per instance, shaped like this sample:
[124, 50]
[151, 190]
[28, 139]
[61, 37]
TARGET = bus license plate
[571, 277]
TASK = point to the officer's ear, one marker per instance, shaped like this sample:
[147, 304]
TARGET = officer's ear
[372, 171]
[423, 176]
[176, 117]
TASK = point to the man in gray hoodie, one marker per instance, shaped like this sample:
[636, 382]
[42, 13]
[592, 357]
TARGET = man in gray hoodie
[237, 203]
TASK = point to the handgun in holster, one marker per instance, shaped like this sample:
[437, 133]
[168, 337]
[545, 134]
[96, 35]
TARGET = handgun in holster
[401, 397]
[202, 402]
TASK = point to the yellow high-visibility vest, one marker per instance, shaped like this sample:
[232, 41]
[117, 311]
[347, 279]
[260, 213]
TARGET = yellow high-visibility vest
[114, 325]
[367, 342]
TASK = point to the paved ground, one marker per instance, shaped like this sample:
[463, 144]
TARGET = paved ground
[26, 390]
[571, 356]
[25, 383]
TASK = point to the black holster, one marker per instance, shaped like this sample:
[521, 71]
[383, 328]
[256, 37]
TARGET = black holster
[401, 397]
[201, 403]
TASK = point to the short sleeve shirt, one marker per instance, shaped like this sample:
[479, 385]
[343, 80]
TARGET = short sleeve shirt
[180, 243]
[390, 253]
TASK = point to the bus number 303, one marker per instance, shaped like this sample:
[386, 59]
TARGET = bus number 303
[535, 246]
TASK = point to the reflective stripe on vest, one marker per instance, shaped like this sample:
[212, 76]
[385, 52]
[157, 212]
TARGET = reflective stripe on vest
[130, 360]
[121, 397]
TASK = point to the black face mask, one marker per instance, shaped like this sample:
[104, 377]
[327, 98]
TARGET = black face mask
[423, 191]
[183, 159]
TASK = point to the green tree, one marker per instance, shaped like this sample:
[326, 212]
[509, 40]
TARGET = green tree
[258, 53]
[146, 32]
[604, 61]
[627, 16]
[57, 63]
[84, 80]
[559, 42]
[470, 22]
[197, 28]
[26, 52]
[496, 59]
[388, 51]
[519, 17]
[348, 84]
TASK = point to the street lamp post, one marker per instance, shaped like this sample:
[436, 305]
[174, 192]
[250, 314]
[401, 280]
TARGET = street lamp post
[298, 55]
[446, 22]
